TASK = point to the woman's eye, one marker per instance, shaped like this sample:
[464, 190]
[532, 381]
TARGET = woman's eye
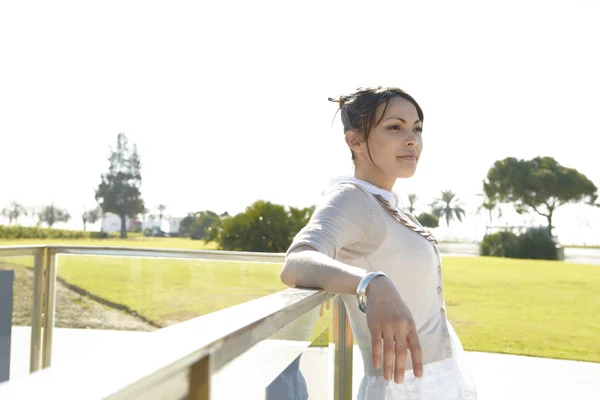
[419, 129]
[394, 127]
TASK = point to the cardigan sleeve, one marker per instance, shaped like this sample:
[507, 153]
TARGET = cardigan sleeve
[341, 218]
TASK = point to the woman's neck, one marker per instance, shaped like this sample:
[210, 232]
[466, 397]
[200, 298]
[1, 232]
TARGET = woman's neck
[376, 178]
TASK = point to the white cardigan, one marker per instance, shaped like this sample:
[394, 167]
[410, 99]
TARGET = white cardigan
[351, 226]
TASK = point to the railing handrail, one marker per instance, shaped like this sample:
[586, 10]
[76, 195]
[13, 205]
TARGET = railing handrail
[16, 251]
[144, 252]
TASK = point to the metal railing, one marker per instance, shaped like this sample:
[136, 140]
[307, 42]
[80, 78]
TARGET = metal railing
[185, 356]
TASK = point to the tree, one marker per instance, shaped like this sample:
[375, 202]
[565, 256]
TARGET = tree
[91, 216]
[428, 220]
[540, 184]
[13, 212]
[298, 218]
[199, 225]
[489, 205]
[119, 189]
[145, 212]
[32, 214]
[447, 207]
[51, 215]
[263, 227]
[161, 210]
[412, 200]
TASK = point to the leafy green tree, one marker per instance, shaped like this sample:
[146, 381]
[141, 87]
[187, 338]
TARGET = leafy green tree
[198, 225]
[412, 201]
[540, 184]
[263, 227]
[13, 212]
[298, 218]
[428, 220]
[51, 215]
[447, 207]
[119, 190]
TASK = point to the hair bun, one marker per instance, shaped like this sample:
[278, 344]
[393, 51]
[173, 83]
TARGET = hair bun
[340, 101]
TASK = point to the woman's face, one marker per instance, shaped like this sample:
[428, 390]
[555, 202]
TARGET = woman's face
[395, 143]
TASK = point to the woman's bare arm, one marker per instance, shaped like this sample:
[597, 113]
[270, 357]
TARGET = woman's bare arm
[390, 322]
[308, 268]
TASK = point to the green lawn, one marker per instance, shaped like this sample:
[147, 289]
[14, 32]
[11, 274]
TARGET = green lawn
[136, 241]
[168, 291]
[537, 308]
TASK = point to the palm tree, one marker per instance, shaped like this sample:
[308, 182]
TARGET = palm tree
[161, 210]
[447, 207]
[412, 200]
[13, 212]
[92, 216]
[489, 205]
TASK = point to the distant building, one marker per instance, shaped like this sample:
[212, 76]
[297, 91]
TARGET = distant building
[168, 226]
[174, 223]
[112, 223]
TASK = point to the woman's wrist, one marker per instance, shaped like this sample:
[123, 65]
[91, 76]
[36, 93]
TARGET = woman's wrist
[361, 290]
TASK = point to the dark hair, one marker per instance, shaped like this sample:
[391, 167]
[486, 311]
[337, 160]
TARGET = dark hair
[359, 109]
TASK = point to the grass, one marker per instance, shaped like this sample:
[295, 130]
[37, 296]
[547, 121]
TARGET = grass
[135, 241]
[536, 308]
[170, 291]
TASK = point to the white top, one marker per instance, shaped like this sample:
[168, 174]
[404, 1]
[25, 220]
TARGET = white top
[351, 226]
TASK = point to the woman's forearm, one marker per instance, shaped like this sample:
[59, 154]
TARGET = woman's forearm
[306, 267]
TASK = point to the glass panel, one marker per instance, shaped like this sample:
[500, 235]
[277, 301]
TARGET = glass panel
[111, 302]
[296, 362]
[22, 307]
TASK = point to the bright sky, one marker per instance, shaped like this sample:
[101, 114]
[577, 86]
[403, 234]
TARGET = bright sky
[227, 101]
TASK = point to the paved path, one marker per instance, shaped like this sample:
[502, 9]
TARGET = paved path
[574, 255]
[498, 376]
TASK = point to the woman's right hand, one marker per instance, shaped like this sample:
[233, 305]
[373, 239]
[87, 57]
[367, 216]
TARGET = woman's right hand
[393, 328]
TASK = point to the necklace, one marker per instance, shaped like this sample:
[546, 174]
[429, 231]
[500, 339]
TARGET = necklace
[409, 224]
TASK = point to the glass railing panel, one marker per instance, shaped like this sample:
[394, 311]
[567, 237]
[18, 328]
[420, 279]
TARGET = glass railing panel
[113, 302]
[295, 362]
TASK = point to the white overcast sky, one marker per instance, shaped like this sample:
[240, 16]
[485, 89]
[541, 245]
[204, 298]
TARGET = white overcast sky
[227, 101]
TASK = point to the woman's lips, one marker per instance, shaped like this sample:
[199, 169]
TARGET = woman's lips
[409, 158]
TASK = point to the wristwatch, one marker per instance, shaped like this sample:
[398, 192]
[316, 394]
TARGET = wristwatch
[361, 290]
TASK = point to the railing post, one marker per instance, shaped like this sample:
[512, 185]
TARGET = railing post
[200, 374]
[7, 279]
[39, 284]
[49, 306]
[344, 341]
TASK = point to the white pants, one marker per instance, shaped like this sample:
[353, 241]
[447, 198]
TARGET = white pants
[449, 379]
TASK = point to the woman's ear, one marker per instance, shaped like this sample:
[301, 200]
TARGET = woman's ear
[354, 141]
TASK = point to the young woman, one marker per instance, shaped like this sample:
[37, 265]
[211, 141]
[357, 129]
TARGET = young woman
[361, 244]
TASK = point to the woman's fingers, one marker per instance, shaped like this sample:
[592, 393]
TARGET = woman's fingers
[416, 353]
[376, 344]
[388, 356]
[400, 365]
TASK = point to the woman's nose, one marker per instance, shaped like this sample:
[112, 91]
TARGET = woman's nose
[411, 138]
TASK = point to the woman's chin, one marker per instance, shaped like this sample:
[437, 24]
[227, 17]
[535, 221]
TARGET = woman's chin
[406, 174]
